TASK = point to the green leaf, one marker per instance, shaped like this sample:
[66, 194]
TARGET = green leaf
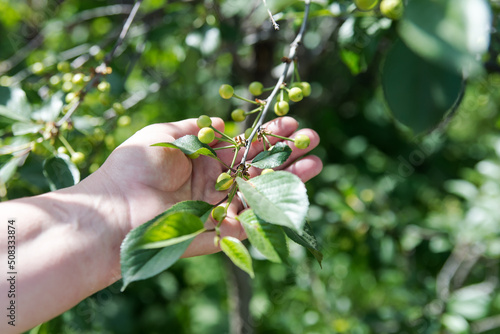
[138, 264]
[8, 168]
[273, 158]
[353, 61]
[419, 93]
[307, 239]
[14, 104]
[451, 33]
[238, 253]
[190, 144]
[22, 128]
[51, 109]
[278, 198]
[268, 239]
[171, 229]
[60, 172]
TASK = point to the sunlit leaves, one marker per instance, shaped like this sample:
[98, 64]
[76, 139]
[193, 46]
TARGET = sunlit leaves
[450, 33]
[190, 144]
[171, 229]
[268, 239]
[307, 239]
[273, 158]
[138, 263]
[238, 253]
[419, 93]
[278, 198]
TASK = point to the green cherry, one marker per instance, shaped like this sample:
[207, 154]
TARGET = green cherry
[248, 132]
[306, 88]
[119, 108]
[77, 158]
[226, 91]
[219, 213]
[104, 86]
[302, 141]
[281, 108]
[77, 78]
[203, 121]
[295, 94]
[238, 115]
[224, 182]
[365, 5]
[256, 88]
[206, 135]
[63, 67]
[392, 9]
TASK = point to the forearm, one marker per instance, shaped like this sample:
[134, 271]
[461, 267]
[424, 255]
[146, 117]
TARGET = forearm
[67, 248]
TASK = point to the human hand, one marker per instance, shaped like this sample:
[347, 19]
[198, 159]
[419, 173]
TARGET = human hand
[152, 179]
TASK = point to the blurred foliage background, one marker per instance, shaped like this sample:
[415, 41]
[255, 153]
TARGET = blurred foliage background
[408, 221]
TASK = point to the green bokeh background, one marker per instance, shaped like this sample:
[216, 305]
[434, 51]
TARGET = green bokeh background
[408, 224]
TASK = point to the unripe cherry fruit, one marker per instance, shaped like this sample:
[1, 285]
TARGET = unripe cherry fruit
[306, 88]
[238, 115]
[224, 182]
[302, 141]
[119, 108]
[295, 94]
[281, 108]
[392, 9]
[104, 86]
[266, 171]
[248, 132]
[206, 135]
[77, 78]
[365, 5]
[226, 91]
[77, 158]
[63, 66]
[256, 88]
[219, 213]
[203, 121]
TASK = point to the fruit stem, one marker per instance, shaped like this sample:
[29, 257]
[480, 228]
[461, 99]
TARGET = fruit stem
[227, 138]
[246, 100]
[255, 122]
[280, 137]
[222, 162]
[67, 145]
[296, 72]
[253, 111]
[223, 147]
[235, 155]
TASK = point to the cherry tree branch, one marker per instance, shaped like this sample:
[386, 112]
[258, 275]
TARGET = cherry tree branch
[291, 55]
[102, 69]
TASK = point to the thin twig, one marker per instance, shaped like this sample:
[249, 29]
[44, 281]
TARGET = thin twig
[291, 55]
[102, 68]
[21, 54]
[275, 25]
[123, 34]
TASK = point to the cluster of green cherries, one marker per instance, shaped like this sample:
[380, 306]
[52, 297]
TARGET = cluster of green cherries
[392, 9]
[206, 134]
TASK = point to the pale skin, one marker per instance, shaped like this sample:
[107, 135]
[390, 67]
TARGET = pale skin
[68, 241]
